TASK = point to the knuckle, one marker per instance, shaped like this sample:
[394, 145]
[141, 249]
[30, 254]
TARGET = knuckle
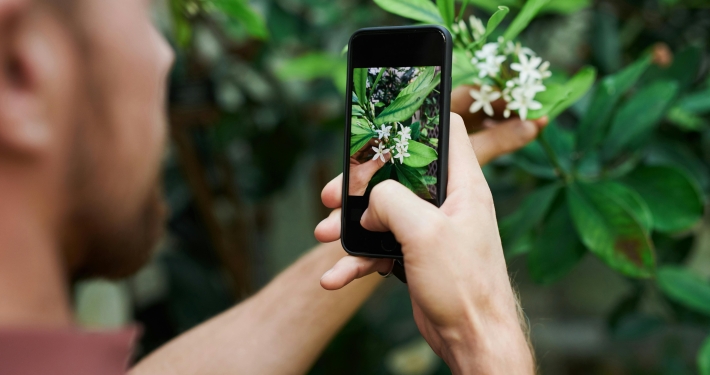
[384, 189]
[456, 119]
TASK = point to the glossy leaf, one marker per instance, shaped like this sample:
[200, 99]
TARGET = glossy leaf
[424, 80]
[358, 141]
[420, 155]
[418, 10]
[635, 119]
[593, 125]
[557, 249]
[704, 357]
[673, 199]
[554, 95]
[241, 11]
[412, 179]
[515, 227]
[696, 103]
[527, 13]
[416, 130]
[446, 10]
[360, 84]
[632, 201]
[576, 87]
[609, 230]
[492, 24]
[403, 107]
[685, 287]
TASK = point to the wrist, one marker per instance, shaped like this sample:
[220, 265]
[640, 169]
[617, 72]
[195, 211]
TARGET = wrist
[489, 343]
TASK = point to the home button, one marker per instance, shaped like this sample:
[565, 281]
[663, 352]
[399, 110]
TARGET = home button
[388, 244]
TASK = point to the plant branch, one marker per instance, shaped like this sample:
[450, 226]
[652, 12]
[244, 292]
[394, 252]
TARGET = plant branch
[550, 152]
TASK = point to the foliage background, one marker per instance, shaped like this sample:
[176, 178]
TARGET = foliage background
[256, 113]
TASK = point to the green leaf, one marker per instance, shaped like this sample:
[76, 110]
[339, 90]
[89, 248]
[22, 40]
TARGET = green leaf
[557, 249]
[697, 103]
[593, 125]
[493, 23]
[554, 95]
[685, 287]
[241, 11]
[420, 155]
[403, 107]
[358, 141]
[634, 121]
[527, 13]
[683, 70]
[384, 173]
[182, 28]
[704, 357]
[565, 6]
[610, 231]
[677, 154]
[309, 66]
[357, 110]
[561, 141]
[418, 10]
[429, 180]
[605, 41]
[632, 201]
[360, 83]
[360, 126]
[462, 71]
[424, 80]
[533, 160]
[412, 179]
[576, 87]
[674, 200]
[515, 227]
[377, 80]
[416, 130]
[446, 9]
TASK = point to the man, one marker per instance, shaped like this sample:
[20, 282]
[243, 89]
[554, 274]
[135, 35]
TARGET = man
[82, 130]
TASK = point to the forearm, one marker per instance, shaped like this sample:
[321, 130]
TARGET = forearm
[281, 330]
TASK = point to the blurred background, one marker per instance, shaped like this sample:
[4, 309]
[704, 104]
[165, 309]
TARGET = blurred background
[257, 119]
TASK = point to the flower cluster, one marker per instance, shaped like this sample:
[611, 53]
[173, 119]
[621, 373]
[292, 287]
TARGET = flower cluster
[505, 70]
[389, 143]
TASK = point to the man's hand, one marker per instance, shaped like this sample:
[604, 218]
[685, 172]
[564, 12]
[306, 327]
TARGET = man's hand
[463, 302]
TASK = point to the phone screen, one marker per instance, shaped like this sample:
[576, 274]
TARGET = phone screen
[395, 129]
[398, 111]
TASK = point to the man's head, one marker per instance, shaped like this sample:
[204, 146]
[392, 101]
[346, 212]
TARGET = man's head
[82, 127]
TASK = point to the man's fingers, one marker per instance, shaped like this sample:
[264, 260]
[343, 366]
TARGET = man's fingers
[504, 138]
[395, 208]
[350, 268]
[464, 170]
[328, 230]
[332, 194]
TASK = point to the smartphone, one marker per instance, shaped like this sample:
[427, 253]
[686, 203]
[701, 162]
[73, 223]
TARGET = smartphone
[397, 124]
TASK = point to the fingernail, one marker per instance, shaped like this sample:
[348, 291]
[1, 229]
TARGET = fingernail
[326, 274]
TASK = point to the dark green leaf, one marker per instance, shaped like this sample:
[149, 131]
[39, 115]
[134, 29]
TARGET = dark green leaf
[446, 10]
[634, 121]
[562, 143]
[594, 123]
[683, 70]
[516, 226]
[241, 11]
[416, 130]
[377, 80]
[685, 288]
[384, 173]
[424, 80]
[605, 41]
[527, 13]
[696, 103]
[533, 160]
[610, 230]
[673, 199]
[418, 10]
[677, 154]
[420, 155]
[704, 357]
[360, 83]
[632, 201]
[429, 180]
[412, 179]
[557, 249]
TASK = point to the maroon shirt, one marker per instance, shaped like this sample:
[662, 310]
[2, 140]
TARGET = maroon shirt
[65, 352]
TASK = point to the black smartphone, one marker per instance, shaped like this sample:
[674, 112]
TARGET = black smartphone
[397, 117]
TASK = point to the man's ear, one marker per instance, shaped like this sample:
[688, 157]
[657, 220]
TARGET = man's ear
[26, 62]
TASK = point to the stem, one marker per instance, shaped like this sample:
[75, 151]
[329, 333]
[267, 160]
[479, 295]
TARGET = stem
[463, 9]
[553, 157]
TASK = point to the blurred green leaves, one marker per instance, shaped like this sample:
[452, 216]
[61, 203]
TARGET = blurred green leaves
[316, 65]
[527, 13]
[239, 10]
[418, 10]
[685, 287]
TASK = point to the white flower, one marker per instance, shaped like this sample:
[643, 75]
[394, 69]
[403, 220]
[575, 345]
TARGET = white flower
[405, 133]
[401, 143]
[490, 67]
[463, 32]
[483, 99]
[383, 132]
[488, 49]
[401, 154]
[528, 88]
[544, 72]
[380, 152]
[522, 103]
[527, 67]
[477, 27]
